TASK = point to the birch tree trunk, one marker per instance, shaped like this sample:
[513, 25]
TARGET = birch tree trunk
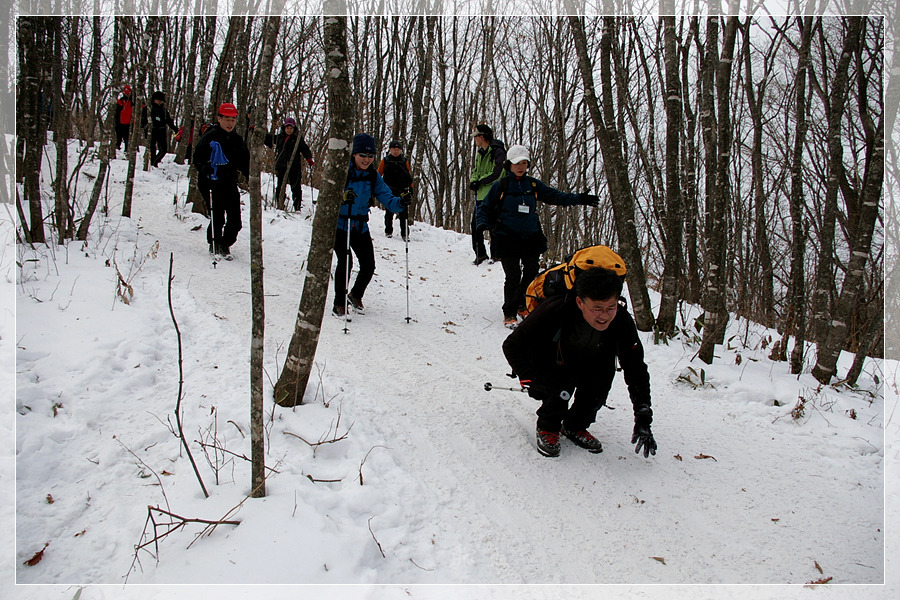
[717, 130]
[258, 326]
[620, 192]
[291, 384]
[665, 321]
[797, 203]
[867, 216]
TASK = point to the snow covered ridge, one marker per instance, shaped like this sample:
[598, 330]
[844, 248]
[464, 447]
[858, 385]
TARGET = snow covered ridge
[400, 468]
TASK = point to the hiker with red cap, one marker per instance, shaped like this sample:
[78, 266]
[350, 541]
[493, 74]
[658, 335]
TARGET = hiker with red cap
[219, 156]
[124, 109]
[288, 161]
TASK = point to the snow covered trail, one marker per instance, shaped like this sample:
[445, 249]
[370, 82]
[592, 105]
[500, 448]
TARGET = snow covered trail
[455, 492]
[524, 518]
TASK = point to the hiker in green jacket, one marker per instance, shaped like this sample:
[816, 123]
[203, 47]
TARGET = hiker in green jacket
[489, 160]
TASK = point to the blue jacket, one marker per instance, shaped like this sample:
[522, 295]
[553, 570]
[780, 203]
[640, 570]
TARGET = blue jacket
[366, 184]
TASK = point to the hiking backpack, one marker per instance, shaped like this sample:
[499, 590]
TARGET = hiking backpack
[560, 278]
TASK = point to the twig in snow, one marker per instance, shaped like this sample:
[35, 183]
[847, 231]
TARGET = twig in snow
[375, 538]
[181, 381]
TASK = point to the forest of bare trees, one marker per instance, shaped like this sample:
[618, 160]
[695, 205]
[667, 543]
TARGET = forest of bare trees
[739, 159]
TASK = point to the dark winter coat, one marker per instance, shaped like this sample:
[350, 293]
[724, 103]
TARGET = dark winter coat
[284, 148]
[510, 211]
[235, 151]
[396, 173]
[365, 184]
[555, 348]
[159, 118]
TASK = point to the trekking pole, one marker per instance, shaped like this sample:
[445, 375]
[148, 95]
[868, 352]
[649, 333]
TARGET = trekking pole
[564, 395]
[212, 227]
[349, 196]
[406, 226]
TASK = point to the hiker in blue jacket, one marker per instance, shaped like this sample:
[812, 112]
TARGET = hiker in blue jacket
[219, 156]
[363, 183]
[509, 211]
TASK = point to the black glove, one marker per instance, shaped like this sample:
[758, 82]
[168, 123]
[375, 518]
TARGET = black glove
[206, 170]
[474, 185]
[480, 229]
[643, 438]
[589, 199]
[349, 196]
[406, 198]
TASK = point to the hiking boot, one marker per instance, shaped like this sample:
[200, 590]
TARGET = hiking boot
[340, 312]
[548, 442]
[225, 251]
[388, 235]
[356, 304]
[522, 312]
[584, 439]
[479, 260]
[510, 322]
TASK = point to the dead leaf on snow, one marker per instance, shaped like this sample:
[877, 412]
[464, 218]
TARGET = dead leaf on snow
[37, 556]
[678, 456]
[821, 581]
[659, 559]
[702, 456]
[818, 568]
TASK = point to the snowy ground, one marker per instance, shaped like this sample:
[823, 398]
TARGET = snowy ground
[431, 480]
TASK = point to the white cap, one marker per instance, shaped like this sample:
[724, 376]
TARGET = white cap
[517, 154]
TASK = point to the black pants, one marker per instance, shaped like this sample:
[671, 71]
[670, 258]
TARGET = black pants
[361, 245]
[224, 201]
[389, 222]
[294, 183]
[159, 145]
[591, 387]
[477, 238]
[520, 272]
[123, 130]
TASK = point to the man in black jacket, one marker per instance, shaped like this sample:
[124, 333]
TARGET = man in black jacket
[219, 156]
[570, 344]
[394, 168]
[285, 155]
[159, 119]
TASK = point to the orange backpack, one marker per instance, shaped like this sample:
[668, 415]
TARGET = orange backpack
[560, 279]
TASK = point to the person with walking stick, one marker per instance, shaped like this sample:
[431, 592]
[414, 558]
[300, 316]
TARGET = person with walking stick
[363, 183]
[219, 156]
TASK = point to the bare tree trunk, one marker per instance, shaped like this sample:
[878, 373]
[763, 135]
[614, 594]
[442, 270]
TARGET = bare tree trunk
[421, 94]
[717, 132]
[665, 321]
[60, 133]
[257, 343]
[141, 90]
[31, 40]
[621, 194]
[291, 385]
[863, 228]
[835, 102]
[797, 299]
[765, 296]
[191, 126]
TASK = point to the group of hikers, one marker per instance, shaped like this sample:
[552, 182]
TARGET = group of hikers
[564, 349]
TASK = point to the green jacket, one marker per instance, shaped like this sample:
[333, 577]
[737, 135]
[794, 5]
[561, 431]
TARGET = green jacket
[488, 167]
